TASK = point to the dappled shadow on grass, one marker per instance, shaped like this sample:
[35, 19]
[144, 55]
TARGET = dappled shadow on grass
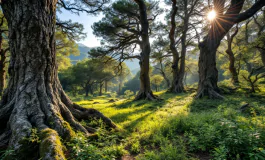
[120, 117]
[139, 107]
[233, 101]
[203, 125]
[165, 97]
[132, 126]
[157, 128]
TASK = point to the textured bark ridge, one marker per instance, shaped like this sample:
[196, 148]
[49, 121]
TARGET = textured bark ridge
[178, 65]
[34, 97]
[145, 88]
[231, 56]
[177, 82]
[208, 72]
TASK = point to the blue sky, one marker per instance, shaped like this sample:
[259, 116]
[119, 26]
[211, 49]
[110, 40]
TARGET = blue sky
[87, 21]
[91, 40]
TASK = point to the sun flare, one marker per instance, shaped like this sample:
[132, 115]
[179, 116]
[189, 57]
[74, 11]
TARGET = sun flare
[211, 15]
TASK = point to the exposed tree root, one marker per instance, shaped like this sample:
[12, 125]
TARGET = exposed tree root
[53, 115]
[51, 147]
[4, 139]
[212, 94]
[146, 95]
[177, 85]
[177, 89]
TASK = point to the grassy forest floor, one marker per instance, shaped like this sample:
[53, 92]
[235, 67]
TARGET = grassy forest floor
[176, 128]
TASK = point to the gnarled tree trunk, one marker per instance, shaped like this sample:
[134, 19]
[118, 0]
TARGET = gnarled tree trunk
[145, 87]
[179, 87]
[231, 56]
[34, 96]
[179, 62]
[232, 67]
[175, 64]
[208, 73]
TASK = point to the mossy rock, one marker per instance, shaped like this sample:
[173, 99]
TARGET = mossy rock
[51, 147]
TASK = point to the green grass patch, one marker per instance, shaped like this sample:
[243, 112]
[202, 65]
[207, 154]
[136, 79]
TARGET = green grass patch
[180, 127]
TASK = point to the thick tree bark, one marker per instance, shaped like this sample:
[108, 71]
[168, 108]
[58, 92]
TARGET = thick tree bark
[207, 71]
[145, 87]
[34, 96]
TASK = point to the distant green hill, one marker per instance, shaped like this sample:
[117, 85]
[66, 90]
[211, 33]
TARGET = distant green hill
[132, 64]
[83, 53]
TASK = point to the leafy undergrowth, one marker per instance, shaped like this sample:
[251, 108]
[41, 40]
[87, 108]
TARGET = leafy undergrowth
[176, 128]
